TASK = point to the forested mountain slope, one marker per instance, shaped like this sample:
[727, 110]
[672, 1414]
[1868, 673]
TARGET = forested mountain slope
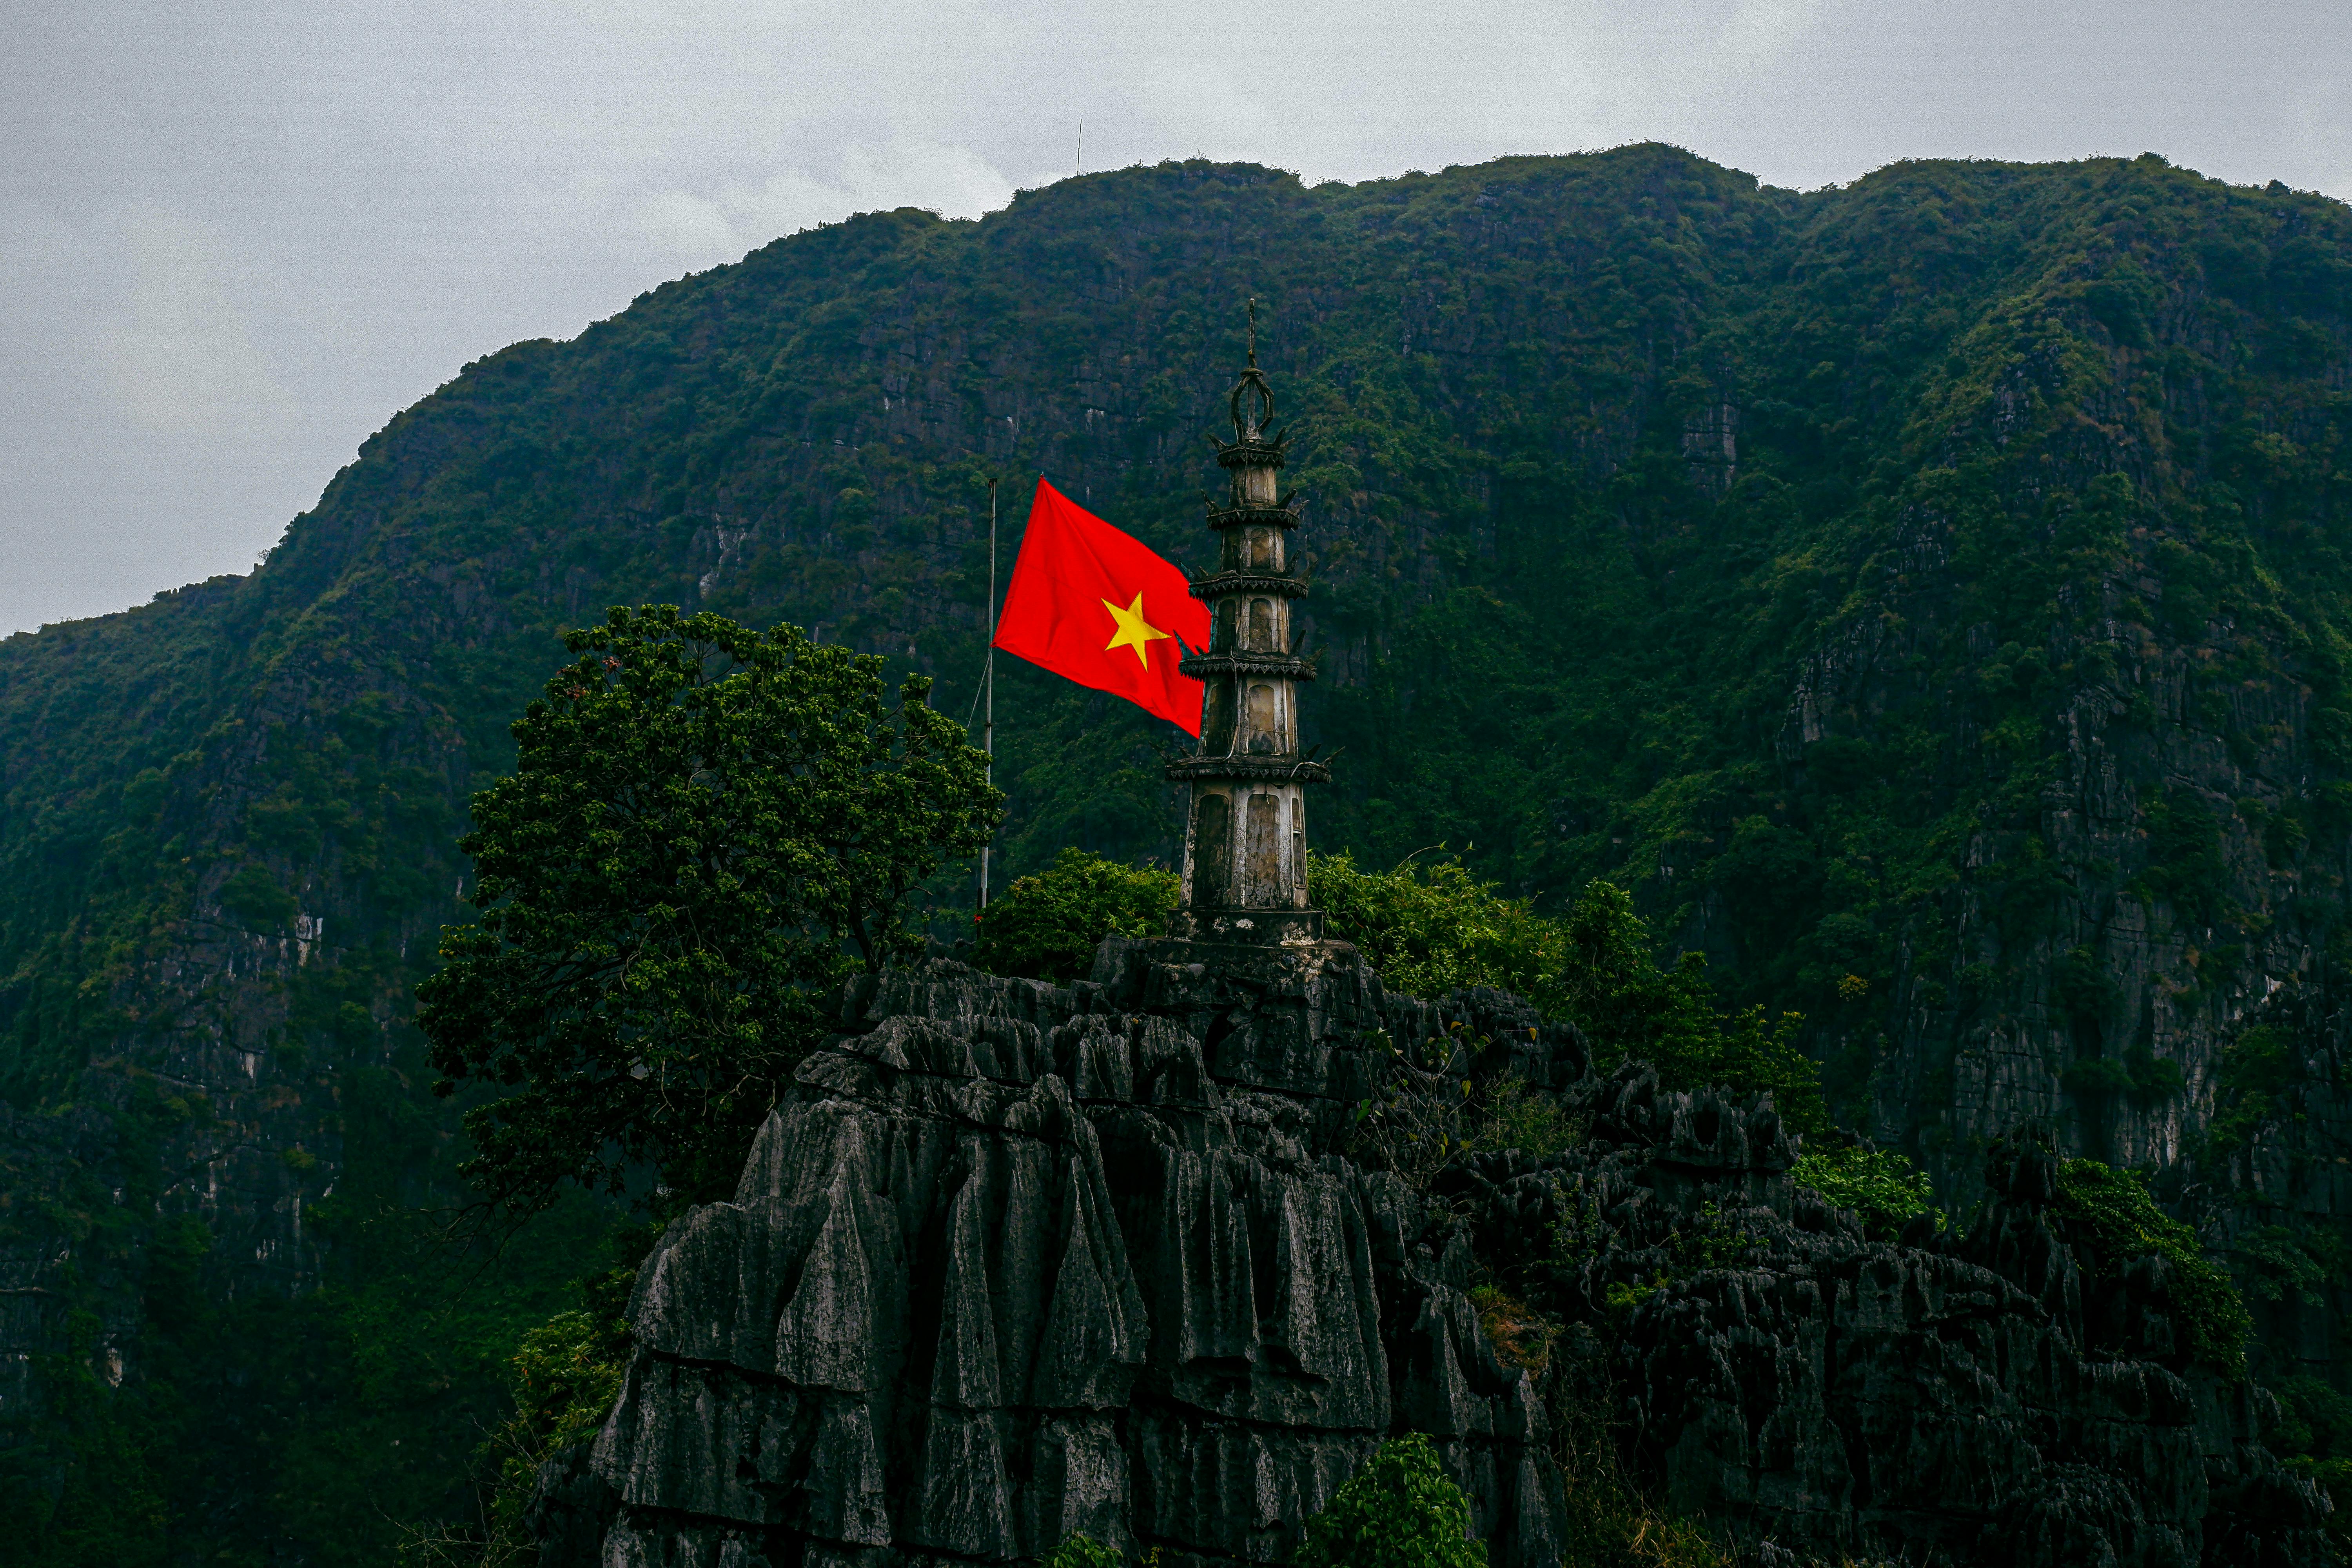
[1929, 592]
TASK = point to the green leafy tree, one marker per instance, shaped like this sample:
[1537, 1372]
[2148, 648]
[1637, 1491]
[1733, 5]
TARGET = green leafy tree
[707, 828]
[1047, 927]
[1629, 1005]
[1881, 1185]
[2254, 1070]
[1431, 929]
[1749, 1053]
[1400, 1511]
[2114, 1209]
[2314, 1438]
[1611, 984]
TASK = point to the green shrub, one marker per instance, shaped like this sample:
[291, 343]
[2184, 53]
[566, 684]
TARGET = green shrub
[1514, 1114]
[2079, 984]
[1400, 1511]
[2252, 1070]
[1422, 1116]
[2185, 863]
[2096, 1076]
[2154, 1077]
[253, 896]
[1047, 927]
[1746, 1054]
[1612, 986]
[2283, 839]
[1431, 929]
[2142, 1073]
[1882, 1185]
[2276, 1261]
[1630, 1006]
[1522, 1337]
[1079, 1549]
[2124, 1224]
[564, 1375]
[2314, 1438]
[1608, 1523]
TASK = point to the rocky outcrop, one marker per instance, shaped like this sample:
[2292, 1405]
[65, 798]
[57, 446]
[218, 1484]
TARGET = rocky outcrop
[1959, 1397]
[1016, 1260]
[2274, 1194]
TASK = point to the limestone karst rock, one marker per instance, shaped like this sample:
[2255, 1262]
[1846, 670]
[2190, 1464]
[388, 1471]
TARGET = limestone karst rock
[1019, 1260]
[1016, 1260]
[1963, 1396]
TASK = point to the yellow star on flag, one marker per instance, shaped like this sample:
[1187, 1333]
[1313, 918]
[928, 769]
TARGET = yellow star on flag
[1134, 631]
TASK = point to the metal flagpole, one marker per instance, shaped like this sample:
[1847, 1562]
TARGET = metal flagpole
[988, 680]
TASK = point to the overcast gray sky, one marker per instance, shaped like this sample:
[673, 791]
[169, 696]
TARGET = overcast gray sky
[235, 239]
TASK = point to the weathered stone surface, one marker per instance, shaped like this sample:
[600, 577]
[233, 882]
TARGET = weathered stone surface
[1015, 1260]
[1960, 1398]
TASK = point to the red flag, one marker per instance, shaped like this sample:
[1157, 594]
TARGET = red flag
[1096, 606]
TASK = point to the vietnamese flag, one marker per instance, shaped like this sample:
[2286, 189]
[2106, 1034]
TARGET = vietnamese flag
[1097, 606]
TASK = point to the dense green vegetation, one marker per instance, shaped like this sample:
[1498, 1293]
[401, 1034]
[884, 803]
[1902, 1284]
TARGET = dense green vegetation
[1432, 927]
[316, 1428]
[2253, 1069]
[1046, 926]
[706, 829]
[2111, 1210]
[1924, 598]
[1880, 1185]
[1399, 1509]
[2315, 1434]
[1079, 1549]
[563, 1378]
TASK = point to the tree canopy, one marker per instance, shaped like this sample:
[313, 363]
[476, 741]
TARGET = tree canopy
[1430, 929]
[707, 828]
[1047, 926]
[1400, 1511]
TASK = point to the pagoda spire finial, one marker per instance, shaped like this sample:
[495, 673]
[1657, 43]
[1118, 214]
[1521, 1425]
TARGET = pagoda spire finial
[1253, 399]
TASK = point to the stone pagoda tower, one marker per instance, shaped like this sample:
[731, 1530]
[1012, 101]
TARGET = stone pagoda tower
[1245, 837]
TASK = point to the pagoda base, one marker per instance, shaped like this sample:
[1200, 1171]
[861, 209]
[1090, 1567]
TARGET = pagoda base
[1281, 926]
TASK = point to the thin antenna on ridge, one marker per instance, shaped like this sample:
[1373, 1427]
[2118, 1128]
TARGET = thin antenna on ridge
[1080, 166]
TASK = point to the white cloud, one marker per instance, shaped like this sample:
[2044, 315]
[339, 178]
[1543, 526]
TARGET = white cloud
[236, 237]
[1761, 33]
[698, 227]
[910, 171]
[178, 350]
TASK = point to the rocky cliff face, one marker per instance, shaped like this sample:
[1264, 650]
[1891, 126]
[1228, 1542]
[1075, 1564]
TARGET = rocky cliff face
[1961, 1397]
[2278, 1186]
[1015, 1260]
